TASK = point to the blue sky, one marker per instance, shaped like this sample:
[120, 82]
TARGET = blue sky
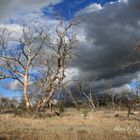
[135, 84]
[68, 8]
[8, 92]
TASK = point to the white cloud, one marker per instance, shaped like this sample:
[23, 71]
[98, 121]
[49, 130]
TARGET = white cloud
[14, 29]
[33, 4]
[15, 85]
[122, 89]
[71, 73]
[125, 1]
[11, 27]
[80, 34]
[91, 8]
[9, 7]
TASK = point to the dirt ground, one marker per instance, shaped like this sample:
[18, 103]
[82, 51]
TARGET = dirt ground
[72, 125]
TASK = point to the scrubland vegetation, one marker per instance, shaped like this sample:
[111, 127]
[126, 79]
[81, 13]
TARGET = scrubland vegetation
[104, 124]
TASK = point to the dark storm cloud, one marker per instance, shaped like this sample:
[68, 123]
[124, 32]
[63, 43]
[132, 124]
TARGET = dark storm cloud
[111, 35]
[134, 3]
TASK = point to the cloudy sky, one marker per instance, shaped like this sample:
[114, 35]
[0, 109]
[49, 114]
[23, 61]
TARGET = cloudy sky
[108, 33]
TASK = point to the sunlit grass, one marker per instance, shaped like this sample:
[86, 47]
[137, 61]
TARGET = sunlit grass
[69, 126]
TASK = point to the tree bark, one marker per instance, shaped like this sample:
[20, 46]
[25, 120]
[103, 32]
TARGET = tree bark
[90, 100]
[26, 97]
[41, 104]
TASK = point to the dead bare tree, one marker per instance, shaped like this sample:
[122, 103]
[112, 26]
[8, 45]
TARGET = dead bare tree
[87, 95]
[61, 51]
[110, 93]
[68, 91]
[135, 100]
[17, 61]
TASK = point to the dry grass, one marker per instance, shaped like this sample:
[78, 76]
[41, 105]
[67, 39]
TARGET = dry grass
[71, 126]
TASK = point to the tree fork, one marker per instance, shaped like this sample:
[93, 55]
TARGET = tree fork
[42, 102]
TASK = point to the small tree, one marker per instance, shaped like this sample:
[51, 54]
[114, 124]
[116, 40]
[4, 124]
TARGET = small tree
[68, 91]
[126, 64]
[87, 95]
[110, 93]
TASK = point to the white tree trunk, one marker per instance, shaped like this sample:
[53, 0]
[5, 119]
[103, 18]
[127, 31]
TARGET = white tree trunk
[26, 97]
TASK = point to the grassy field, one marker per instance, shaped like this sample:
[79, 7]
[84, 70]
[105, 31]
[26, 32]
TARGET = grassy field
[72, 125]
